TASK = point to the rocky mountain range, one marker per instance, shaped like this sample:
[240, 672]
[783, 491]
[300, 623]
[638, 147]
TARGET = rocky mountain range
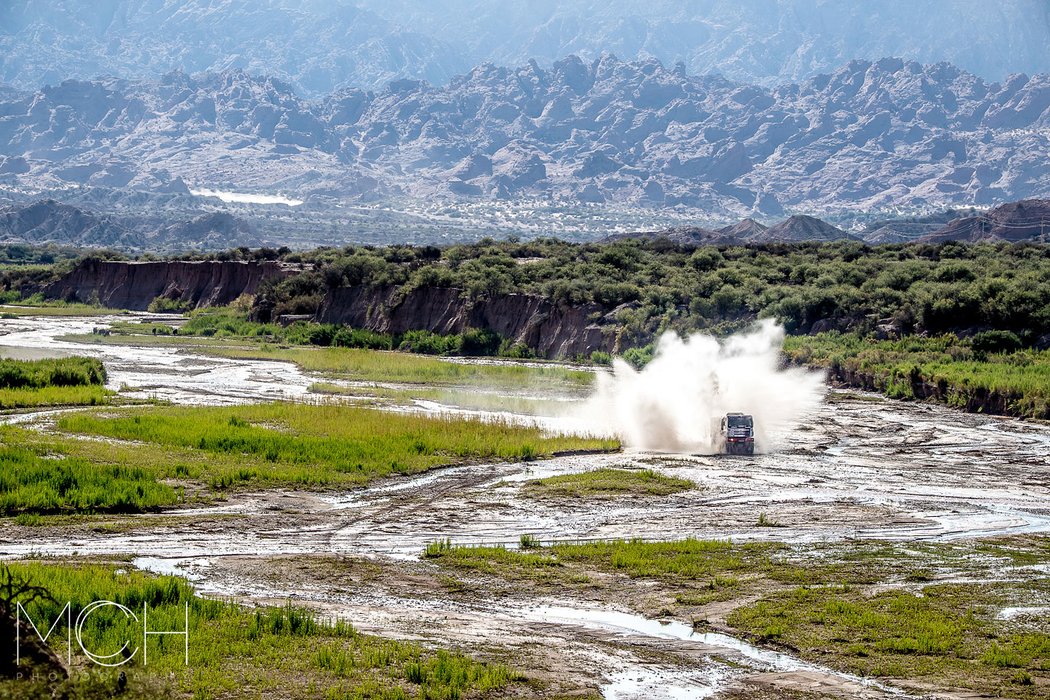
[885, 136]
[1027, 220]
[323, 45]
[49, 222]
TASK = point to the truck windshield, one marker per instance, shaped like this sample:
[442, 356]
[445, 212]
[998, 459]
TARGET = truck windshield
[739, 421]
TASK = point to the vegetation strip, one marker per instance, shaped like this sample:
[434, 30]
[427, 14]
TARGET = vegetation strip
[608, 483]
[233, 648]
[63, 381]
[161, 456]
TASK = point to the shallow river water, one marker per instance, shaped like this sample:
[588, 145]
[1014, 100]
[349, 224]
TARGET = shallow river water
[863, 467]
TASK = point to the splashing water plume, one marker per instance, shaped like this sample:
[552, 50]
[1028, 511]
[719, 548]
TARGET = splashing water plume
[677, 401]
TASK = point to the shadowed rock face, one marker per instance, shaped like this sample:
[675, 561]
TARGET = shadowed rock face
[551, 331]
[748, 228]
[869, 136]
[51, 222]
[1027, 220]
[133, 285]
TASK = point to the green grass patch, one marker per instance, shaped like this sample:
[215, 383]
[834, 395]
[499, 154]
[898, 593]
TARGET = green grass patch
[946, 635]
[51, 372]
[864, 608]
[36, 479]
[154, 454]
[36, 306]
[691, 563]
[476, 400]
[276, 650]
[55, 396]
[325, 444]
[608, 483]
[371, 365]
[356, 364]
[65, 381]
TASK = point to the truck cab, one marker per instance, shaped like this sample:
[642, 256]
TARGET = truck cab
[738, 434]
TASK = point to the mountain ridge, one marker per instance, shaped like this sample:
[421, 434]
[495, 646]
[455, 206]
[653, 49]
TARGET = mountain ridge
[870, 136]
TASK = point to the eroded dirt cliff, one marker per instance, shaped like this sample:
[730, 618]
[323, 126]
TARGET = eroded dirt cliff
[134, 285]
[550, 330]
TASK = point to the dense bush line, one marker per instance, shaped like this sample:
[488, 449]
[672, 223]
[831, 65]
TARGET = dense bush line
[656, 284]
[987, 373]
[231, 322]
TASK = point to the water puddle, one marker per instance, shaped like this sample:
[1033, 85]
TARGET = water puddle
[630, 624]
[1014, 613]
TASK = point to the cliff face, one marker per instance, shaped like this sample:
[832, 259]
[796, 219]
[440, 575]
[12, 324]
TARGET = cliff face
[133, 285]
[551, 331]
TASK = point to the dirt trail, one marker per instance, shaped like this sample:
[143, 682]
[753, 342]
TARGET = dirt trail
[864, 467]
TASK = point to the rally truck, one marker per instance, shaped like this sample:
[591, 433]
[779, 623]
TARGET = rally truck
[738, 434]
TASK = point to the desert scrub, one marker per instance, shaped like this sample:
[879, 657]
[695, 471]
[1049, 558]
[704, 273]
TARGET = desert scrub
[608, 483]
[318, 445]
[232, 648]
[947, 635]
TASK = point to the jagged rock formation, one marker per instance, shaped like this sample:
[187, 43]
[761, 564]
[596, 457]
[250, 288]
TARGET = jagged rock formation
[870, 136]
[1027, 220]
[134, 285]
[320, 45]
[208, 232]
[688, 236]
[551, 331]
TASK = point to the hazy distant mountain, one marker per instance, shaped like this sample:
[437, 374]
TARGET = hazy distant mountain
[870, 136]
[49, 221]
[759, 41]
[321, 45]
[317, 45]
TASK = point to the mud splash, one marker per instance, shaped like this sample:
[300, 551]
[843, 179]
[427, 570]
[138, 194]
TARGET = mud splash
[675, 403]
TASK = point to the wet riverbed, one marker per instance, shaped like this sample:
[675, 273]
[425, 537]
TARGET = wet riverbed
[863, 467]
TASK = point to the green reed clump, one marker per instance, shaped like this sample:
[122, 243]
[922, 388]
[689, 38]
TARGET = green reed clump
[35, 480]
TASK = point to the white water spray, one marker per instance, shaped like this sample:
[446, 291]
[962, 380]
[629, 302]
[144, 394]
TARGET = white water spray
[676, 402]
